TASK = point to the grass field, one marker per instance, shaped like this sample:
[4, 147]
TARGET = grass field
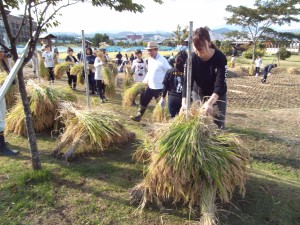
[94, 188]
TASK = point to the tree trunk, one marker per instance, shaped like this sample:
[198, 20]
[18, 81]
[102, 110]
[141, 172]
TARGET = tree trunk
[253, 52]
[36, 164]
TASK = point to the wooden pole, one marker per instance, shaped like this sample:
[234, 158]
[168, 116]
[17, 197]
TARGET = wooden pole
[189, 72]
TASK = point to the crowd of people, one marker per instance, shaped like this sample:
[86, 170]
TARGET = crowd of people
[166, 79]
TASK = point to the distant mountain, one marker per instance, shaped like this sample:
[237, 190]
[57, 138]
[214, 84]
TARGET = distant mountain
[223, 30]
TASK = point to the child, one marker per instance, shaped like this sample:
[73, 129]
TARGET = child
[72, 79]
[258, 63]
[99, 61]
[48, 58]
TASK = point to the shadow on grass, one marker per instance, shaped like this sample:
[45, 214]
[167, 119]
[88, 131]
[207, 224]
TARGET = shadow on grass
[268, 201]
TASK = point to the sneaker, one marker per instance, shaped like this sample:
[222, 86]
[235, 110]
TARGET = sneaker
[105, 99]
[136, 118]
[102, 101]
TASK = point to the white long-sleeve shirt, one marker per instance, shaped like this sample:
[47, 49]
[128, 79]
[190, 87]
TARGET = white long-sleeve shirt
[98, 69]
[157, 69]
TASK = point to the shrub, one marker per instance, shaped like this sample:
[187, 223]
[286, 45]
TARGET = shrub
[226, 48]
[283, 54]
[248, 54]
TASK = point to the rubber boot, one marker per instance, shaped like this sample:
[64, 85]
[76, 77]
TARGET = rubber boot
[139, 114]
[4, 150]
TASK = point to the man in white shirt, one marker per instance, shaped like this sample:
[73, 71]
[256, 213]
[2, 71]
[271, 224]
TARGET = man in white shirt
[48, 58]
[157, 68]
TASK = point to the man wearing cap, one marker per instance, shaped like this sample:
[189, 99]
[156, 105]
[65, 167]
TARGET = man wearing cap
[157, 68]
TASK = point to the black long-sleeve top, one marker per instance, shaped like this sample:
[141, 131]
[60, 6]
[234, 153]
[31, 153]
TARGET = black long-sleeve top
[173, 83]
[208, 77]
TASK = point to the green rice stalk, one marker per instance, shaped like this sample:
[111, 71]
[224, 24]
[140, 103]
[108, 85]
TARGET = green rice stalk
[89, 130]
[191, 156]
[60, 69]
[143, 153]
[11, 94]
[160, 114]
[43, 100]
[131, 93]
[77, 70]
[109, 81]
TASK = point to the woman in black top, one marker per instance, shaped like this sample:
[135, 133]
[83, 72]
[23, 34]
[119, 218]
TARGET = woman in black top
[209, 72]
[90, 58]
[173, 83]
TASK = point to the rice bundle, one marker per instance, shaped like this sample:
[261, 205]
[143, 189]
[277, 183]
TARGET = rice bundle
[60, 69]
[113, 67]
[131, 93]
[44, 73]
[89, 130]
[292, 70]
[43, 102]
[160, 114]
[193, 162]
[251, 70]
[11, 94]
[109, 81]
[128, 78]
[77, 70]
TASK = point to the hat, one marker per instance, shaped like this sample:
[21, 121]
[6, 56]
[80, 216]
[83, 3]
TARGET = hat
[138, 51]
[151, 45]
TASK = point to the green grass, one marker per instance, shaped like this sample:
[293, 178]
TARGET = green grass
[94, 188]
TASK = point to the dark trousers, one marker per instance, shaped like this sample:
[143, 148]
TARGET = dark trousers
[174, 105]
[100, 88]
[257, 70]
[51, 73]
[92, 84]
[265, 75]
[72, 80]
[147, 96]
[219, 119]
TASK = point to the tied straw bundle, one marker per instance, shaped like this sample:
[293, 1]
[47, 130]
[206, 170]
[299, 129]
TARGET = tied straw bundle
[60, 69]
[109, 81]
[128, 78]
[89, 130]
[131, 93]
[11, 94]
[192, 162]
[44, 73]
[43, 100]
[78, 70]
[160, 114]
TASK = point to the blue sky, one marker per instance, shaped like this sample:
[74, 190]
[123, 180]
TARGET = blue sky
[155, 17]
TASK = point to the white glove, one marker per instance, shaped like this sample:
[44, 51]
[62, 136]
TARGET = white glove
[162, 102]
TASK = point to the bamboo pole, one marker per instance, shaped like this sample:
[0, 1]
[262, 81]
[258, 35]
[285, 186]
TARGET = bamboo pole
[85, 72]
[189, 72]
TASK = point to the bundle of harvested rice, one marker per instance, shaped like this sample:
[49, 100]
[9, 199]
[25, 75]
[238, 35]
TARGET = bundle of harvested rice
[77, 70]
[11, 94]
[44, 101]
[160, 114]
[292, 70]
[131, 93]
[44, 73]
[60, 69]
[113, 67]
[109, 81]
[89, 131]
[192, 163]
[128, 78]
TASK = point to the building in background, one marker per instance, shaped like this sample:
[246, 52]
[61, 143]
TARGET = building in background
[15, 23]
